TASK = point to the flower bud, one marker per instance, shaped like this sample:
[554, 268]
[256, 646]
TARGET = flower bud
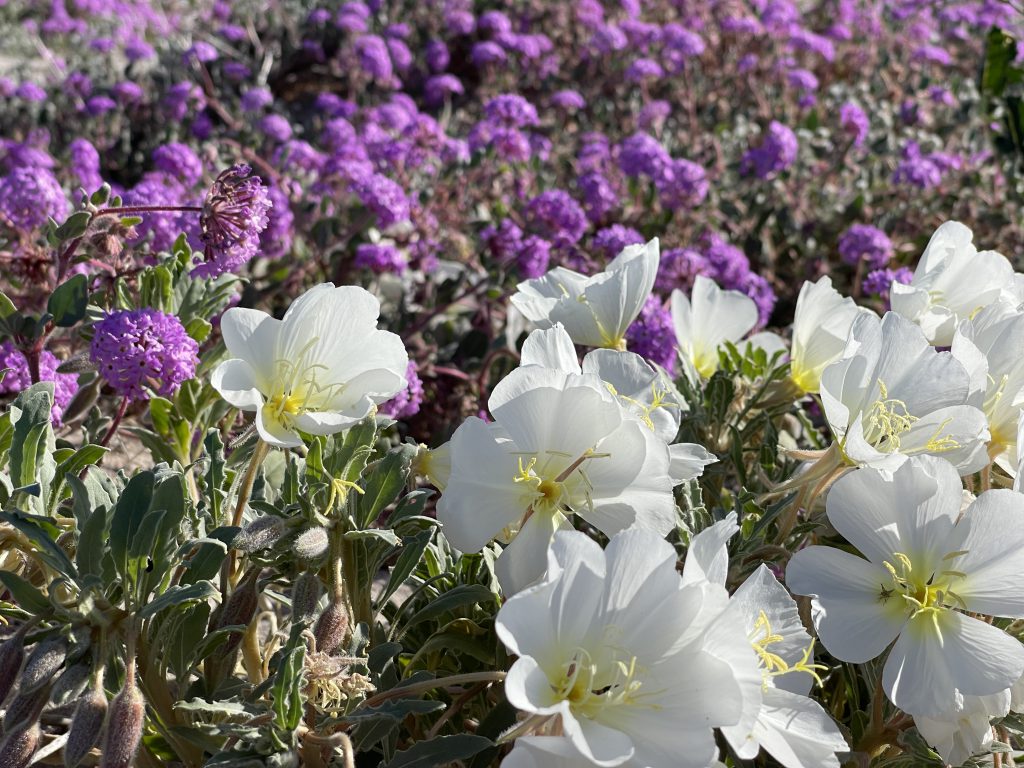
[12, 655]
[332, 627]
[86, 725]
[305, 595]
[46, 659]
[124, 726]
[239, 609]
[261, 533]
[311, 543]
[25, 708]
[17, 749]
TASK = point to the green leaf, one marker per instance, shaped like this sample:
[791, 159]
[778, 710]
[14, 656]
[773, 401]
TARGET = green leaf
[412, 552]
[442, 750]
[27, 596]
[69, 302]
[998, 70]
[459, 597]
[73, 466]
[199, 329]
[43, 534]
[179, 595]
[7, 307]
[75, 226]
[286, 692]
[130, 510]
[32, 442]
[375, 534]
[385, 483]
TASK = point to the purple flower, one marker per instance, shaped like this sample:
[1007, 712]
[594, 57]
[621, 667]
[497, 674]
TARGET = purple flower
[100, 105]
[30, 92]
[234, 214]
[85, 164]
[758, 289]
[934, 54]
[437, 56]
[487, 52]
[681, 184]
[460, 22]
[182, 98]
[642, 154]
[678, 38]
[374, 58]
[255, 99]
[854, 122]
[608, 38]
[379, 259]
[384, 198]
[156, 188]
[137, 49]
[556, 216]
[879, 282]
[178, 160]
[128, 92]
[917, 170]
[728, 264]
[654, 114]
[652, 335]
[610, 241]
[202, 52]
[276, 128]
[400, 54]
[333, 105]
[678, 269]
[276, 239]
[406, 403]
[18, 378]
[777, 152]
[28, 196]
[534, 257]
[801, 39]
[440, 87]
[509, 144]
[494, 23]
[511, 111]
[141, 349]
[644, 69]
[568, 100]
[503, 241]
[599, 197]
[802, 80]
[862, 242]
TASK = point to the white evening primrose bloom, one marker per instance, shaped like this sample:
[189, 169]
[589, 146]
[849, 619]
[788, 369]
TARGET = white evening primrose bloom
[778, 715]
[545, 752]
[893, 395]
[991, 347]
[952, 281]
[595, 310]
[961, 733]
[821, 327]
[645, 390]
[615, 655]
[708, 319]
[320, 369]
[926, 572]
[560, 444]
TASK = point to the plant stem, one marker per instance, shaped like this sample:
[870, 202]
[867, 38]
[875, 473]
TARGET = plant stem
[429, 685]
[112, 430]
[259, 453]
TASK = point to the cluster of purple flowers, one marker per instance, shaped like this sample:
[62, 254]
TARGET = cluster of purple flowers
[17, 377]
[140, 350]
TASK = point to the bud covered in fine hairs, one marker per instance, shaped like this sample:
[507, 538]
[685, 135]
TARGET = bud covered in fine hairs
[261, 533]
[332, 627]
[71, 684]
[305, 596]
[17, 749]
[124, 726]
[12, 655]
[25, 708]
[312, 543]
[239, 610]
[43, 663]
[86, 725]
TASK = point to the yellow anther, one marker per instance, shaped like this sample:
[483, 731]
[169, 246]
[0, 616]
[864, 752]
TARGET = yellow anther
[773, 664]
[887, 420]
[939, 443]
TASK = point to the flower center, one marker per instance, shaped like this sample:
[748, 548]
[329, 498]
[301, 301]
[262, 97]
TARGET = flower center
[923, 592]
[887, 420]
[555, 486]
[773, 665]
[590, 688]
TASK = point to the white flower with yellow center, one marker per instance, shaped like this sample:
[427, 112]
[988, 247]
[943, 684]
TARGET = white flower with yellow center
[991, 347]
[560, 444]
[646, 391]
[708, 319]
[596, 310]
[966, 731]
[926, 574]
[320, 369]
[821, 327]
[615, 657]
[777, 713]
[893, 395]
[952, 281]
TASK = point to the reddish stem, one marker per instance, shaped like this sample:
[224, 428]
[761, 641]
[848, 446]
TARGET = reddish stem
[121, 409]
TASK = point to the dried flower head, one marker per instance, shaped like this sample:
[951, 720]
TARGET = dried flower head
[234, 214]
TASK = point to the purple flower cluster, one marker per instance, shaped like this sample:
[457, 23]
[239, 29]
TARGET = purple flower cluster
[18, 378]
[380, 258]
[777, 152]
[652, 334]
[234, 214]
[408, 402]
[30, 195]
[143, 349]
[862, 242]
[879, 282]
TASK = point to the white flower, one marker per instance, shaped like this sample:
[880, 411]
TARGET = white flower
[952, 281]
[645, 390]
[320, 369]
[560, 444]
[991, 347]
[597, 310]
[893, 395]
[617, 658]
[926, 569]
[777, 713]
[545, 752]
[820, 329]
[961, 733]
[708, 319]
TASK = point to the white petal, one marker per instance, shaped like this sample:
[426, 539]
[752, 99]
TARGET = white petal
[852, 622]
[602, 744]
[550, 348]
[236, 381]
[544, 752]
[325, 423]
[528, 688]
[797, 732]
[252, 336]
[524, 560]
[687, 461]
[707, 559]
[274, 432]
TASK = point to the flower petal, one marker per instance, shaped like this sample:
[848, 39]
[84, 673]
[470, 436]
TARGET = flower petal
[797, 732]
[237, 382]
